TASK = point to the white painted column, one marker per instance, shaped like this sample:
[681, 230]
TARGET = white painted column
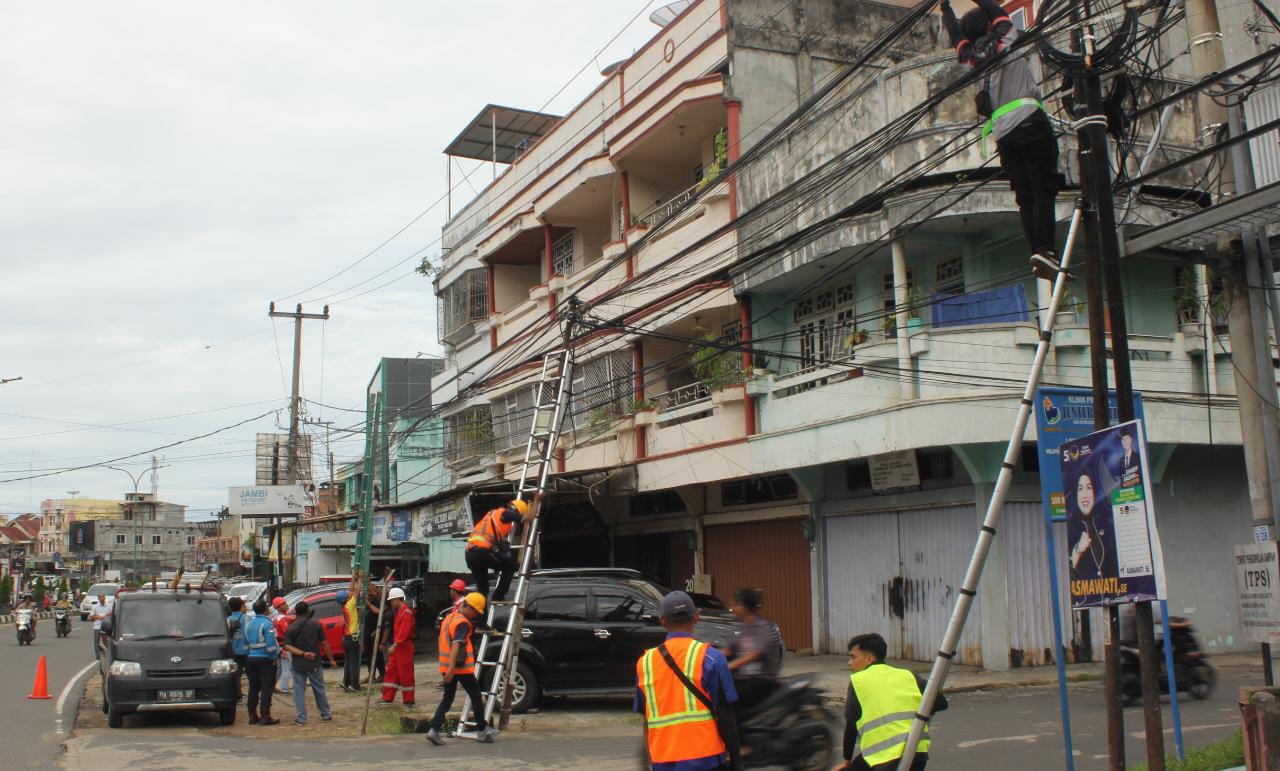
[901, 289]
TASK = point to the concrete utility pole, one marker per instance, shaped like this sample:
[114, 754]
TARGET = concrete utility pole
[295, 403]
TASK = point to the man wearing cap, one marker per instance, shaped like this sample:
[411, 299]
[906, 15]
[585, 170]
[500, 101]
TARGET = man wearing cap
[348, 600]
[489, 546]
[399, 675]
[458, 667]
[685, 692]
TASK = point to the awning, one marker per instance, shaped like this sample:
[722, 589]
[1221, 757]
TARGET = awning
[500, 133]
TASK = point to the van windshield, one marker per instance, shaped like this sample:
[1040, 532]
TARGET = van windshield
[149, 619]
[107, 589]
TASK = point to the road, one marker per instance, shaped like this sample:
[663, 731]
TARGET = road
[998, 729]
[29, 732]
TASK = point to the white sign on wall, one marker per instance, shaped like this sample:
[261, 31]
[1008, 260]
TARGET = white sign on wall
[271, 500]
[894, 470]
[1257, 575]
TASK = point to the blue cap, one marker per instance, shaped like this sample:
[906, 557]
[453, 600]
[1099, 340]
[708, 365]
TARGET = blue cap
[678, 606]
[342, 596]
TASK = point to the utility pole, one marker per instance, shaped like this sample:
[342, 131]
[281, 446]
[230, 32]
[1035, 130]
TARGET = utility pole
[295, 403]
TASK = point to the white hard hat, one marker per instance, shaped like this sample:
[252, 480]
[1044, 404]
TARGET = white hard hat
[395, 594]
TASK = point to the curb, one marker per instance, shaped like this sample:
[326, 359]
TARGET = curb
[74, 690]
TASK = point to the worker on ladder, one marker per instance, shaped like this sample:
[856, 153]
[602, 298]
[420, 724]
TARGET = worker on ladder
[458, 667]
[1009, 100]
[489, 546]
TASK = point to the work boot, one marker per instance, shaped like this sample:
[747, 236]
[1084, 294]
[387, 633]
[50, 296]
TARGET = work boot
[267, 719]
[253, 717]
[1044, 265]
[435, 738]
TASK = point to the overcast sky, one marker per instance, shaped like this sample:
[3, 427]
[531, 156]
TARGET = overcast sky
[171, 168]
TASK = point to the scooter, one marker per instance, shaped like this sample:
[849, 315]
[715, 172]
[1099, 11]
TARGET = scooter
[61, 622]
[1191, 667]
[22, 618]
[790, 728]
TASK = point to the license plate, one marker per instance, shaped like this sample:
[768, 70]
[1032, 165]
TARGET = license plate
[175, 697]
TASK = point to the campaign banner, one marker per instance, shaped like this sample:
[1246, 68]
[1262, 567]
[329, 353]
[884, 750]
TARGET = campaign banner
[1113, 549]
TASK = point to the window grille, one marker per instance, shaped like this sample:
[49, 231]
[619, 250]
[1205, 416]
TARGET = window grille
[469, 435]
[513, 417]
[562, 256]
[463, 302]
[602, 389]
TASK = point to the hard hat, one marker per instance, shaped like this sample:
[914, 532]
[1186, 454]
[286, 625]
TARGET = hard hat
[458, 585]
[521, 506]
[395, 594]
[277, 602]
[475, 600]
[342, 596]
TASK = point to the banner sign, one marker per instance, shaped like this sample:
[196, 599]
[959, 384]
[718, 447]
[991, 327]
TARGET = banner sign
[894, 471]
[271, 500]
[445, 518]
[1113, 549]
[400, 526]
[1258, 591]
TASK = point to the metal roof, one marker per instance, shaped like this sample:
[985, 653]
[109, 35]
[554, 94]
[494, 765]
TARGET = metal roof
[517, 130]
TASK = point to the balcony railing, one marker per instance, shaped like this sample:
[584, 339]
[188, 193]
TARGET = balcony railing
[664, 210]
[682, 397]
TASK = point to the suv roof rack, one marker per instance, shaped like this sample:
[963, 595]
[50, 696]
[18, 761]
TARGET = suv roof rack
[573, 572]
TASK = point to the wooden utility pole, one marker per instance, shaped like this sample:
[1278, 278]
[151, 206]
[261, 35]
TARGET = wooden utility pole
[295, 404]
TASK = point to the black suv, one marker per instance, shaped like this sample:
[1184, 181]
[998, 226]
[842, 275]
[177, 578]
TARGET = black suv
[585, 628]
[168, 650]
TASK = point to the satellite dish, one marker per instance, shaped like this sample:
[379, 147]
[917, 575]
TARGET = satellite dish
[668, 13]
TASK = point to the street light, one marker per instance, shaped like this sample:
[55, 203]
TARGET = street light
[137, 526]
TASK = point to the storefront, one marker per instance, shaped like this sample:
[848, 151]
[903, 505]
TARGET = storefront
[772, 555]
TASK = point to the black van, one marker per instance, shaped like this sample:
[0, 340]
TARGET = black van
[168, 650]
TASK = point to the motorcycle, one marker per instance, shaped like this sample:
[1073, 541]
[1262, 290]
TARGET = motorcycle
[790, 728]
[22, 619]
[61, 622]
[1191, 668]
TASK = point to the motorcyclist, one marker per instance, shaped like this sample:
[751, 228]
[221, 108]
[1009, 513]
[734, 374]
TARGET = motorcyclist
[29, 603]
[755, 654]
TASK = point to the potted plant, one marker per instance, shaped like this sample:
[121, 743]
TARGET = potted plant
[716, 367]
[1186, 301]
[890, 326]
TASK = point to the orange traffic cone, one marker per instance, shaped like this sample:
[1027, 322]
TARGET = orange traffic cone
[40, 689]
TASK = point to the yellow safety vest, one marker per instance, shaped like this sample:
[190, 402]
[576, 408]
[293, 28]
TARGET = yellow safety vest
[889, 697]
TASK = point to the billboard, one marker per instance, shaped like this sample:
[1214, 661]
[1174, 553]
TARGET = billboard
[1114, 554]
[272, 500]
[80, 535]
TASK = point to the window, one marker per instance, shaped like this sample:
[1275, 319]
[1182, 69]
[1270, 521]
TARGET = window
[156, 540]
[513, 416]
[619, 608]
[191, 540]
[326, 608]
[469, 434]
[602, 389]
[463, 302]
[827, 324]
[560, 607]
[137, 540]
[758, 490]
[562, 256]
[119, 539]
[948, 276]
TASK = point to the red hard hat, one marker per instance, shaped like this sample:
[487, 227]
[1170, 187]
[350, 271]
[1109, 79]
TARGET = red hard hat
[458, 585]
[277, 602]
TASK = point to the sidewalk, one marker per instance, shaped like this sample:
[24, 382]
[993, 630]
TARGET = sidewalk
[831, 673]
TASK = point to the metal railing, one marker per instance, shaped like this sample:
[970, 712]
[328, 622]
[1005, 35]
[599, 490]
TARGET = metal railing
[682, 397]
[663, 210]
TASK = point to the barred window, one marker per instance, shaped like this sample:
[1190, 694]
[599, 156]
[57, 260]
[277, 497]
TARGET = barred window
[463, 302]
[513, 417]
[468, 435]
[602, 389]
[562, 256]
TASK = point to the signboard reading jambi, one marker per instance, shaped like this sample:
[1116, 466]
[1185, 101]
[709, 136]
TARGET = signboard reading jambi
[272, 500]
[1114, 553]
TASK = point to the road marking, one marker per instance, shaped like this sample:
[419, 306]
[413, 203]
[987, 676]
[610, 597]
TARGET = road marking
[1027, 738]
[66, 691]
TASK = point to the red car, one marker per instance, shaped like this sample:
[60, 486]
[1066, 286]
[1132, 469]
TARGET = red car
[323, 601]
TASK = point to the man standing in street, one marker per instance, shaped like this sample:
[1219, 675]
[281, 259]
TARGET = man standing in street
[489, 546]
[281, 618]
[260, 663]
[458, 667]
[400, 652]
[305, 640]
[685, 693]
[98, 611]
[349, 600]
[881, 705]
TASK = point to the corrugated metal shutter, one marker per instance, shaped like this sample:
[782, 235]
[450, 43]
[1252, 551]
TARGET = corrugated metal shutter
[898, 574]
[772, 556]
[1262, 107]
[861, 564]
[936, 547]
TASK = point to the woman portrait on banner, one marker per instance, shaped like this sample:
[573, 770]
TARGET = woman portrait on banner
[1089, 526]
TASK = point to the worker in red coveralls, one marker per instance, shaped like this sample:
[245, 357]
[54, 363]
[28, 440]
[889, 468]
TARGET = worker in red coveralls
[399, 675]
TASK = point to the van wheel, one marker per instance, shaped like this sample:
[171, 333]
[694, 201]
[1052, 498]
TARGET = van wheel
[115, 718]
[227, 716]
[525, 690]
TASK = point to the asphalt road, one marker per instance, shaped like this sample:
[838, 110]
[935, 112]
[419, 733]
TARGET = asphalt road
[982, 731]
[28, 732]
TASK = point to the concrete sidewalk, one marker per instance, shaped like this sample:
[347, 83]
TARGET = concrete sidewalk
[831, 673]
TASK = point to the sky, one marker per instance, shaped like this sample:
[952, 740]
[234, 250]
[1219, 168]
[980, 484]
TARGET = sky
[172, 168]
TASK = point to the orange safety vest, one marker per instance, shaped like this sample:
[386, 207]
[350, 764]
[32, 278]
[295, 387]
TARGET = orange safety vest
[468, 663]
[679, 726]
[489, 530]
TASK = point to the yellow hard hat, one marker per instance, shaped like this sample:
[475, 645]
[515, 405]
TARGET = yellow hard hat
[475, 601]
[521, 506]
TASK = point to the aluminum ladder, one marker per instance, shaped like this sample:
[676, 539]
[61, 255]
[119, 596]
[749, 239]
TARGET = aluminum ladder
[550, 406]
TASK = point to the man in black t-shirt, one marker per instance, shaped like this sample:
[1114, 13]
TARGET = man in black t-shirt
[305, 640]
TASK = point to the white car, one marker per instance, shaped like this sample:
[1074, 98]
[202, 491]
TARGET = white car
[91, 597]
[249, 591]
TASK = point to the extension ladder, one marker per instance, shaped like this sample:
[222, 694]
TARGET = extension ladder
[550, 405]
